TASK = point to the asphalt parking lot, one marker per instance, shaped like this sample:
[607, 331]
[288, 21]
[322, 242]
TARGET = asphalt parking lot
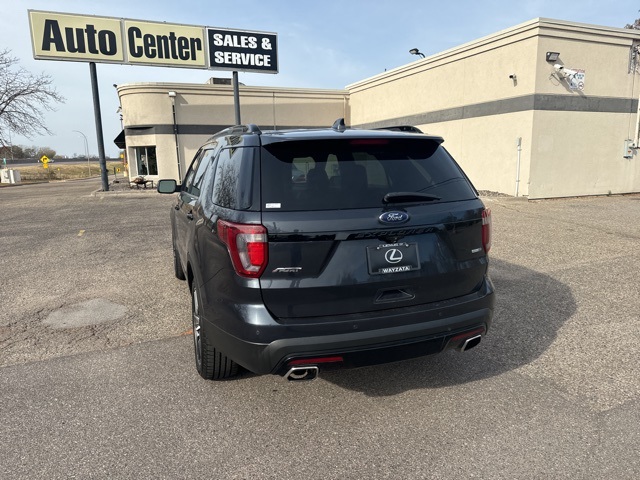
[97, 377]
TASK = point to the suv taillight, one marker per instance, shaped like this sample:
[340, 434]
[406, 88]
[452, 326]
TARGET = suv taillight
[247, 245]
[486, 229]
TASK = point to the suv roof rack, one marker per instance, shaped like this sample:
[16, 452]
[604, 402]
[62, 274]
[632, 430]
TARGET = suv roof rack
[238, 129]
[401, 128]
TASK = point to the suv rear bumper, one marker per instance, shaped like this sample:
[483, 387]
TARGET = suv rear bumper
[416, 332]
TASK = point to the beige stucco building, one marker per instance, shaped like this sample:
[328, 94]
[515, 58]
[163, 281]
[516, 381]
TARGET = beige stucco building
[516, 124]
[155, 115]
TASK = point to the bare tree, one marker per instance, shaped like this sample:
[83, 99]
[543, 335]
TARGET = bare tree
[634, 26]
[24, 97]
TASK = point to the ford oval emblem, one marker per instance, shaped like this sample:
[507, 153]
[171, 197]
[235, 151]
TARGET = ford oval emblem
[392, 218]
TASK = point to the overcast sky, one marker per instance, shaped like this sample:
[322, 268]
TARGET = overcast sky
[321, 44]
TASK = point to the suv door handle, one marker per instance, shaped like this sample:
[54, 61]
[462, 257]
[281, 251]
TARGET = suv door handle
[190, 216]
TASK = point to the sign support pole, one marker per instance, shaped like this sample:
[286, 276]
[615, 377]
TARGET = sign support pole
[236, 97]
[96, 110]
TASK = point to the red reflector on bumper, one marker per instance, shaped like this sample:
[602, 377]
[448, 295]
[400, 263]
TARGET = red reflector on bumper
[315, 361]
[465, 335]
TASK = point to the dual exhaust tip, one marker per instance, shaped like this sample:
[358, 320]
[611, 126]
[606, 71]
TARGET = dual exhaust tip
[297, 374]
[310, 372]
[467, 340]
[470, 342]
[307, 368]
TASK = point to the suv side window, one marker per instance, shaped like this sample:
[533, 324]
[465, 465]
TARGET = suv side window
[206, 186]
[188, 179]
[233, 184]
[205, 161]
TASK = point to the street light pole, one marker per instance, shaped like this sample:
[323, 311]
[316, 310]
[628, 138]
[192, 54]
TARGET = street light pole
[86, 148]
[10, 144]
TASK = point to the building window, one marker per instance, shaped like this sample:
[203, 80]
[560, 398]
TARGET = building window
[146, 160]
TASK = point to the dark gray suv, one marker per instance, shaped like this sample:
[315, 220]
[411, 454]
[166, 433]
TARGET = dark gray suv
[338, 246]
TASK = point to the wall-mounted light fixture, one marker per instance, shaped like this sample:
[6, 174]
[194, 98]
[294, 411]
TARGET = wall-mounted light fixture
[415, 51]
[552, 56]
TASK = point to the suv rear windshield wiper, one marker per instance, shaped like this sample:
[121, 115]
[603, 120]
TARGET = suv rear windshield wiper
[405, 197]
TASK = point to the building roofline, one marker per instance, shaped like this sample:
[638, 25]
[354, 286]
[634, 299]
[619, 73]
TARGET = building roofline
[527, 29]
[164, 87]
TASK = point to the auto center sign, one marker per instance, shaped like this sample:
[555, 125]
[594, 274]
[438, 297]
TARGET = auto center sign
[83, 38]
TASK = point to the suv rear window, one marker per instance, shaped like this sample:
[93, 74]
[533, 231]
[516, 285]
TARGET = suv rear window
[356, 173]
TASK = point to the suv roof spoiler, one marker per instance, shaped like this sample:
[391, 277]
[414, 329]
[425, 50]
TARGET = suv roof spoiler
[401, 128]
[339, 126]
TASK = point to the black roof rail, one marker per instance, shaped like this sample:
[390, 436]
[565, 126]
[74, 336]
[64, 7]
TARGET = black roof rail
[401, 128]
[339, 125]
[238, 129]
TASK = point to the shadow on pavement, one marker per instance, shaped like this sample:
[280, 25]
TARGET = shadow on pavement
[530, 309]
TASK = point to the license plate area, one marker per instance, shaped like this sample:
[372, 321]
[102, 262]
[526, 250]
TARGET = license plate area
[393, 258]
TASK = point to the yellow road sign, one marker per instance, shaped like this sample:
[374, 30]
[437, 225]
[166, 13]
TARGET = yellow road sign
[44, 165]
[44, 159]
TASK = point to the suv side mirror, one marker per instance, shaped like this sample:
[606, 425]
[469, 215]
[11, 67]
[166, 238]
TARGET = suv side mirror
[168, 186]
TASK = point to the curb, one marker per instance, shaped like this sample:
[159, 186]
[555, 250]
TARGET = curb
[128, 192]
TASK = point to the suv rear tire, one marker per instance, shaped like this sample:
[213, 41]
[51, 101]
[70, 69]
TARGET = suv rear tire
[210, 362]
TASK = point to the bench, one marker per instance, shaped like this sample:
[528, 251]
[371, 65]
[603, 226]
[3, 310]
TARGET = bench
[140, 181]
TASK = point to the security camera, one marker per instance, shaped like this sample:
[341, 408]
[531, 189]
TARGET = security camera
[564, 72]
[512, 76]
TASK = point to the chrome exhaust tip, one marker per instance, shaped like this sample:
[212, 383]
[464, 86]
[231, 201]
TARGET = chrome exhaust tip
[471, 342]
[296, 374]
